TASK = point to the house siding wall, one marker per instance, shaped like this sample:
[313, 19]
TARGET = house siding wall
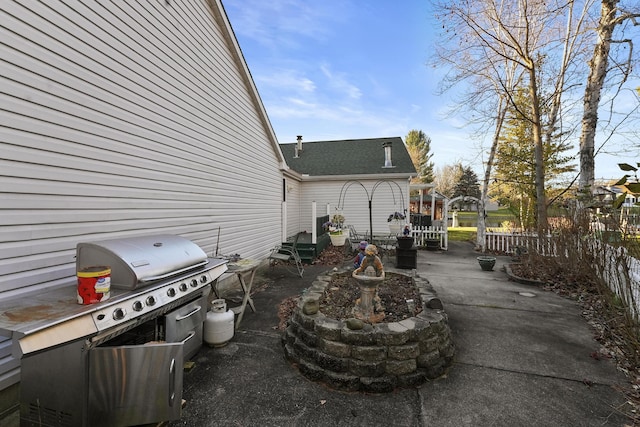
[121, 119]
[293, 195]
[386, 197]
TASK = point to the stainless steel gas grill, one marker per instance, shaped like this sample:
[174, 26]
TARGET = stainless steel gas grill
[142, 260]
[118, 362]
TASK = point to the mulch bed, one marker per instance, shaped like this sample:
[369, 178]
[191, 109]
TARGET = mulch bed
[343, 291]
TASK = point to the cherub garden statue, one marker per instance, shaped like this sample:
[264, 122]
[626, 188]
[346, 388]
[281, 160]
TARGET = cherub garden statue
[371, 261]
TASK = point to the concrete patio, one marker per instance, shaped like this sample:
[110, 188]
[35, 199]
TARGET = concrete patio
[523, 357]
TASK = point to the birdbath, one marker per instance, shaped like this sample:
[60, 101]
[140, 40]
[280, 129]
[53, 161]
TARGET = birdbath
[369, 276]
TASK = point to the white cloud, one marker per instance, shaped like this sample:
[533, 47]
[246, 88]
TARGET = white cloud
[287, 79]
[339, 83]
[282, 23]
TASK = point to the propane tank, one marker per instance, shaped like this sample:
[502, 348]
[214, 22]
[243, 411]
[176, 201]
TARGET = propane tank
[218, 326]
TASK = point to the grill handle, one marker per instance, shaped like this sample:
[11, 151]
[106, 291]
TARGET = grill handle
[189, 314]
[191, 335]
[172, 382]
[173, 273]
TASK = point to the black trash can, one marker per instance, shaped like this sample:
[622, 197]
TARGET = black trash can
[406, 258]
[405, 242]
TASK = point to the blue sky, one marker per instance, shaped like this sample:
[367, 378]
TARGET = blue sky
[341, 69]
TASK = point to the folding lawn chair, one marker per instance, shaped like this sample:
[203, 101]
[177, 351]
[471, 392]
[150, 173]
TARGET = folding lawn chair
[287, 254]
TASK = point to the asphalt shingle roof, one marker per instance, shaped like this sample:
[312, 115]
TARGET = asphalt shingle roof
[349, 157]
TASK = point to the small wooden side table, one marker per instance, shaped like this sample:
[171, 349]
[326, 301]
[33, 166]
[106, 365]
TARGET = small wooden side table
[245, 270]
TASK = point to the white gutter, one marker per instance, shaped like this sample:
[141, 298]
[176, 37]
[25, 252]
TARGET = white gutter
[377, 176]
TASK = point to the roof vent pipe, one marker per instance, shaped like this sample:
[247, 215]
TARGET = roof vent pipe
[298, 147]
[387, 155]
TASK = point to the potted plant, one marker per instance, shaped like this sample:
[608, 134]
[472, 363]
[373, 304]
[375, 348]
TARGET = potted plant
[486, 262]
[334, 227]
[396, 221]
[405, 241]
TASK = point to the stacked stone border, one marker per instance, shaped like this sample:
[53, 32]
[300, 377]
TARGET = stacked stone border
[376, 358]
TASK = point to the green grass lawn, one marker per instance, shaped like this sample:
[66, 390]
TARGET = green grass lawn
[494, 218]
[462, 234]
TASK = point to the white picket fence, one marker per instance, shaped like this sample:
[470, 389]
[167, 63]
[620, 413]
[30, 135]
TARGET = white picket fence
[509, 242]
[423, 236]
[619, 270]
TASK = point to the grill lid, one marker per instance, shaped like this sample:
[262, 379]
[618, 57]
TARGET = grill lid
[136, 261]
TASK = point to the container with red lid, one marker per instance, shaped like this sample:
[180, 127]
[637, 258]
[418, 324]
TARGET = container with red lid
[94, 284]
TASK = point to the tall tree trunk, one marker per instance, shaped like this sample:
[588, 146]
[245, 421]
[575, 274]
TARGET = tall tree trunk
[541, 202]
[597, 73]
[481, 241]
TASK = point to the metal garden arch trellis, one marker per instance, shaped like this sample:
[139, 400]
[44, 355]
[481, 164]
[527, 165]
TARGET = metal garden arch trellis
[348, 184]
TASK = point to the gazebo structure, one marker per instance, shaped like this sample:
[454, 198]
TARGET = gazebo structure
[434, 207]
[429, 203]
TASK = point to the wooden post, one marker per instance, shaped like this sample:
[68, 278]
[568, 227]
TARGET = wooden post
[314, 225]
[284, 222]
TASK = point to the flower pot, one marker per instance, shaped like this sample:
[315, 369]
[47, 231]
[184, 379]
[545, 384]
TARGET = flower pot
[432, 244]
[405, 242]
[486, 262]
[338, 239]
[395, 227]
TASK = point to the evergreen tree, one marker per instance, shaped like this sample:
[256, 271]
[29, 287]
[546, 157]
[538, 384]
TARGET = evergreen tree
[419, 147]
[515, 166]
[467, 184]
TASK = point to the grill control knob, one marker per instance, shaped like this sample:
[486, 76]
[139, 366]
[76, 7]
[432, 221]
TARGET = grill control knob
[171, 292]
[138, 305]
[151, 300]
[183, 287]
[194, 283]
[118, 313]
[203, 279]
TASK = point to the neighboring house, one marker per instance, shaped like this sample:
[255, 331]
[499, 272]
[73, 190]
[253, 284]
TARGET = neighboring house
[121, 119]
[609, 193]
[630, 199]
[356, 177]
[605, 193]
[432, 204]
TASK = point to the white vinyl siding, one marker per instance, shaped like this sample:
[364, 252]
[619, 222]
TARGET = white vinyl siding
[386, 197]
[293, 189]
[126, 118]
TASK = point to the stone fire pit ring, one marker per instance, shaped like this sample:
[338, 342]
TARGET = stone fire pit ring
[376, 358]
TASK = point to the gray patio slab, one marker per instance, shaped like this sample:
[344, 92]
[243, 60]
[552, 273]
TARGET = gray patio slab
[520, 360]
